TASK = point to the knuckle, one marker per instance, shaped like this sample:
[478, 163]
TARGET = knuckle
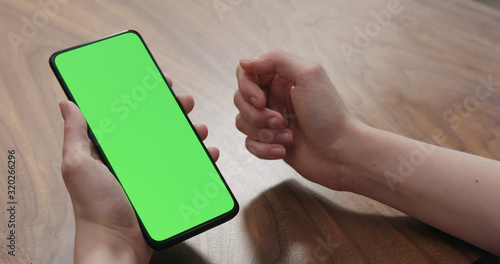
[254, 119]
[236, 97]
[73, 161]
[277, 52]
[249, 146]
[239, 123]
[265, 135]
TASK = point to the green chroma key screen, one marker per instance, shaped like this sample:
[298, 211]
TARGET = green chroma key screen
[145, 137]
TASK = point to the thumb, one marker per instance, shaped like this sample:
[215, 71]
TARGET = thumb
[287, 65]
[76, 144]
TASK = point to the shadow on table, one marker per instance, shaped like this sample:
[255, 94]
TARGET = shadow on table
[289, 223]
[180, 253]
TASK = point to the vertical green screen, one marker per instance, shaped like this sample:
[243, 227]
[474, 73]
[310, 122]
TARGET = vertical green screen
[163, 167]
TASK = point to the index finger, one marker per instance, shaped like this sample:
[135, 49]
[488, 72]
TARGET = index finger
[76, 144]
[249, 87]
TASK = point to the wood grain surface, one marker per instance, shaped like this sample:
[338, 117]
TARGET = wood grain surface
[414, 73]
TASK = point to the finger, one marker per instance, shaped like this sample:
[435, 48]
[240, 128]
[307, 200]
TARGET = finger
[264, 150]
[266, 79]
[187, 102]
[214, 153]
[264, 135]
[279, 92]
[260, 118]
[170, 82]
[76, 144]
[202, 130]
[249, 86]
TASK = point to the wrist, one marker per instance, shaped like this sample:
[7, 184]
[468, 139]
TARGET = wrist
[372, 162]
[360, 165]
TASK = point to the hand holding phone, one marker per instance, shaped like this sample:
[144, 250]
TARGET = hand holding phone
[106, 227]
[145, 138]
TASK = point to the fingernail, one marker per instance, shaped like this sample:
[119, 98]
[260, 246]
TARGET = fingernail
[283, 138]
[254, 101]
[277, 152]
[248, 59]
[273, 122]
[64, 110]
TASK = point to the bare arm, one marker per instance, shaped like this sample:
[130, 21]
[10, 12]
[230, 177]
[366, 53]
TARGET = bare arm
[293, 103]
[453, 191]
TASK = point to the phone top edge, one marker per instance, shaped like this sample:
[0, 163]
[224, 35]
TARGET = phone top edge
[54, 55]
[53, 65]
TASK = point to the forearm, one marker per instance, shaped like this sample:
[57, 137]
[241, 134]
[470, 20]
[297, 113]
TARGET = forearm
[450, 190]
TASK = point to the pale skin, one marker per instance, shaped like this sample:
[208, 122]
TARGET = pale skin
[106, 226]
[450, 190]
[290, 110]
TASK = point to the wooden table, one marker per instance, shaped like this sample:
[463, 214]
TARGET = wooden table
[411, 73]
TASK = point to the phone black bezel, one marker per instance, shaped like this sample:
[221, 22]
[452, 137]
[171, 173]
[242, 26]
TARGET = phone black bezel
[155, 244]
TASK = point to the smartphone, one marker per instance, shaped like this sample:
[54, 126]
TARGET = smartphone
[145, 138]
